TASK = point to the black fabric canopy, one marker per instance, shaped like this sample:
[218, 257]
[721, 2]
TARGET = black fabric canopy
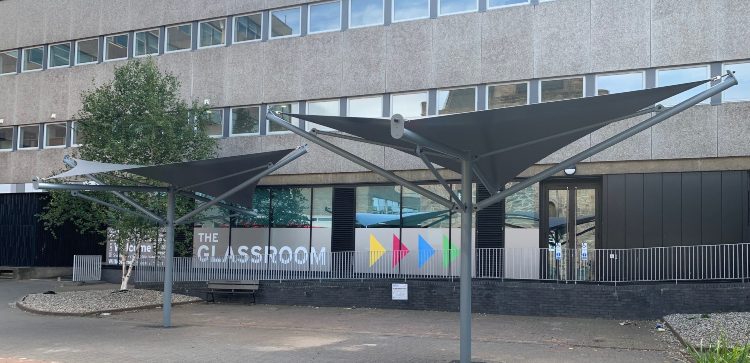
[523, 135]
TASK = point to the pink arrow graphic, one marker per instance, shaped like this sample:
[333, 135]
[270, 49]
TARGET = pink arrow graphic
[399, 250]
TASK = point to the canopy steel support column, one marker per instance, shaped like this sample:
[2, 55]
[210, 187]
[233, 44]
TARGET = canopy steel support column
[466, 253]
[169, 261]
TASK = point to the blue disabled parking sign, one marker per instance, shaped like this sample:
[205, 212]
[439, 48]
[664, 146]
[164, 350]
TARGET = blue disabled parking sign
[584, 251]
[558, 251]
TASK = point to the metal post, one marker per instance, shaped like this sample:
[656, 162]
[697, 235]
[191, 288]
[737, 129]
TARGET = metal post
[169, 260]
[466, 252]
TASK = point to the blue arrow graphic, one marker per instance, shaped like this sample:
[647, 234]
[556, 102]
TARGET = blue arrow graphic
[425, 251]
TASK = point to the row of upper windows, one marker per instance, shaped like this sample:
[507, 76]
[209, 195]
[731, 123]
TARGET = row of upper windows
[247, 120]
[285, 22]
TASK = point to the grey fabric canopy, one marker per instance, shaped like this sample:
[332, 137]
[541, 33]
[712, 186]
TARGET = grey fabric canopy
[508, 140]
[211, 177]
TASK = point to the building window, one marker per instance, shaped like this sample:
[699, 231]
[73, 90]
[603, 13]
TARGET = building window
[378, 206]
[212, 33]
[410, 105]
[286, 23]
[561, 89]
[404, 10]
[322, 108]
[366, 13]
[76, 137]
[28, 137]
[59, 55]
[248, 27]
[245, 120]
[507, 95]
[608, 84]
[740, 92]
[54, 135]
[32, 59]
[668, 77]
[87, 51]
[447, 7]
[179, 38]
[215, 123]
[6, 138]
[279, 110]
[8, 62]
[365, 107]
[146, 42]
[325, 17]
[493, 4]
[456, 100]
[116, 47]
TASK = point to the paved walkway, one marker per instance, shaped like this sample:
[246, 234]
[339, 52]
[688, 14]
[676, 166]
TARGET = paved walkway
[267, 333]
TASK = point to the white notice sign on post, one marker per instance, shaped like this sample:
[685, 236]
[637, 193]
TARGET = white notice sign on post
[399, 292]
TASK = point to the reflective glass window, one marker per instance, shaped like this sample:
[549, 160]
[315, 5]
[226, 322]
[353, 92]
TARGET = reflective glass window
[87, 51]
[28, 137]
[522, 208]
[607, 84]
[365, 106]
[456, 100]
[280, 109]
[8, 61]
[740, 92]
[325, 17]
[322, 108]
[410, 105]
[507, 95]
[248, 27]
[410, 9]
[365, 13]
[215, 124]
[212, 33]
[77, 137]
[6, 138]
[322, 207]
[32, 59]
[54, 134]
[668, 77]
[561, 89]
[245, 120]
[179, 37]
[147, 42]
[286, 22]
[378, 206]
[116, 47]
[421, 212]
[59, 55]
[291, 207]
[446, 7]
[502, 3]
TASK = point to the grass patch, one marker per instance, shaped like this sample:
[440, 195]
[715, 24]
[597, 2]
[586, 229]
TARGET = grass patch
[722, 352]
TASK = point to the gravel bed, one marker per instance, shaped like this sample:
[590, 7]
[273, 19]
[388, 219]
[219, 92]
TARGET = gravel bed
[94, 301]
[703, 330]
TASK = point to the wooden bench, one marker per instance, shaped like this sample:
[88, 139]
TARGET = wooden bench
[231, 287]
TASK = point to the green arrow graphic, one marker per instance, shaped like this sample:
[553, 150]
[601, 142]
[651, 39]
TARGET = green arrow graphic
[449, 252]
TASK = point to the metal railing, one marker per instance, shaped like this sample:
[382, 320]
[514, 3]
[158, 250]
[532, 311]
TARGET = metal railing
[681, 263]
[87, 268]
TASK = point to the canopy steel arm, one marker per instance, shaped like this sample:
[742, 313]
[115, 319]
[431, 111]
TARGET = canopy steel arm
[115, 207]
[96, 188]
[439, 178]
[682, 106]
[355, 138]
[285, 160]
[187, 187]
[359, 161]
[483, 179]
[151, 215]
[222, 205]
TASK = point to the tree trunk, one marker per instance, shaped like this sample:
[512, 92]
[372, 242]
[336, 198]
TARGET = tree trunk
[126, 275]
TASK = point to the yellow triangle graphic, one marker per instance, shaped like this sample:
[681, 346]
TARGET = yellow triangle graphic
[376, 250]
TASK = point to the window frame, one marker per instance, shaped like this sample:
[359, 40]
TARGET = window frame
[46, 132]
[349, 101]
[487, 92]
[440, 13]
[390, 99]
[105, 51]
[393, 13]
[73, 139]
[166, 38]
[231, 122]
[476, 99]
[583, 88]
[487, 2]
[234, 28]
[294, 121]
[12, 134]
[221, 135]
[309, 124]
[158, 45]
[49, 55]
[349, 21]
[20, 139]
[224, 34]
[309, 19]
[77, 61]
[596, 80]
[707, 67]
[23, 60]
[724, 70]
[270, 23]
[15, 68]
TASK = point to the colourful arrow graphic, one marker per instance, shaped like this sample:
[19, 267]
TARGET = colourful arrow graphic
[399, 250]
[376, 250]
[449, 252]
[425, 251]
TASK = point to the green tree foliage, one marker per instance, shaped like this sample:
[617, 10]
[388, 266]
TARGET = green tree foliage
[137, 118]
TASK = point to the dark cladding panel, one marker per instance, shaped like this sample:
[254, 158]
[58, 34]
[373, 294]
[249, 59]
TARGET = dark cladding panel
[342, 230]
[691, 209]
[734, 193]
[489, 223]
[711, 192]
[634, 210]
[672, 209]
[614, 211]
[652, 210]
